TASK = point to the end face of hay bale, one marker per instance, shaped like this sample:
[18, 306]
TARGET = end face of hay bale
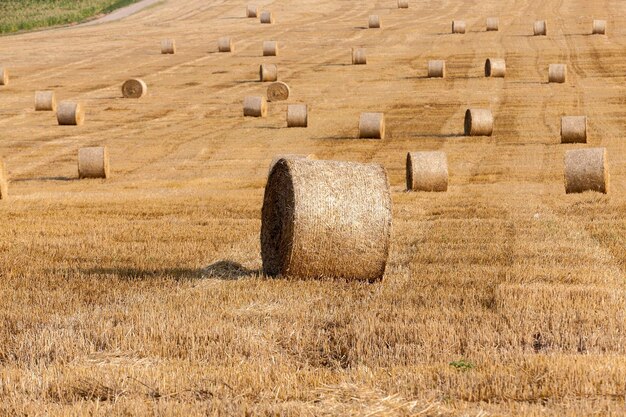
[252, 11]
[495, 67]
[359, 56]
[305, 236]
[586, 170]
[493, 24]
[278, 91]
[45, 101]
[225, 44]
[254, 106]
[69, 113]
[599, 27]
[297, 115]
[426, 171]
[4, 76]
[267, 18]
[574, 129]
[270, 48]
[458, 26]
[372, 126]
[540, 28]
[134, 88]
[168, 46]
[557, 73]
[4, 182]
[478, 122]
[436, 69]
[268, 72]
[374, 22]
[93, 162]
[403, 4]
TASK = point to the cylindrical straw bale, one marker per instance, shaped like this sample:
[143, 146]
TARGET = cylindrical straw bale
[426, 171]
[359, 56]
[267, 17]
[268, 72]
[45, 101]
[458, 26]
[255, 106]
[4, 182]
[252, 11]
[599, 27]
[289, 156]
[540, 28]
[574, 129]
[372, 126]
[69, 113]
[270, 48]
[225, 44]
[374, 22]
[437, 69]
[297, 115]
[168, 46]
[4, 76]
[134, 88]
[495, 67]
[93, 162]
[557, 73]
[493, 24]
[326, 219]
[403, 4]
[278, 91]
[478, 122]
[586, 170]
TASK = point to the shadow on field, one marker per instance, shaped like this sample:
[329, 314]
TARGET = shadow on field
[223, 270]
[45, 179]
[228, 270]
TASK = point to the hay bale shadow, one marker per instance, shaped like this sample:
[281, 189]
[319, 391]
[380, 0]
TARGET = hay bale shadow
[228, 270]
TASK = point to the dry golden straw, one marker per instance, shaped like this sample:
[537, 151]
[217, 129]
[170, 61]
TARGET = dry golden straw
[225, 44]
[599, 27]
[134, 88]
[495, 67]
[493, 24]
[270, 48]
[267, 17]
[374, 22]
[278, 91]
[268, 72]
[403, 4]
[437, 69]
[4, 76]
[4, 182]
[458, 26]
[426, 171]
[288, 156]
[557, 73]
[586, 170]
[478, 122]
[45, 101]
[254, 106]
[93, 162]
[297, 115]
[359, 56]
[69, 113]
[326, 219]
[540, 28]
[574, 129]
[372, 126]
[168, 46]
[252, 11]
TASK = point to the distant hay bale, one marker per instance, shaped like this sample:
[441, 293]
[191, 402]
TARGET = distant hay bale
[45, 101]
[557, 73]
[478, 122]
[403, 4]
[493, 24]
[270, 48]
[225, 44]
[252, 11]
[278, 91]
[599, 27]
[574, 129]
[70, 113]
[426, 171]
[297, 115]
[254, 106]
[267, 18]
[458, 26]
[437, 69]
[93, 162]
[289, 156]
[540, 28]
[372, 126]
[134, 88]
[495, 67]
[268, 72]
[374, 22]
[359, 56]
[168, 46]
[4, 76]
[4, 182]
[326, 219]
[586, 170]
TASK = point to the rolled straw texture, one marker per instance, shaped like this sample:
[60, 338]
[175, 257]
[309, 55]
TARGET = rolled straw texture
[458, 26]
[557, 73]
[493, 24]
[267, 17]
[134, 88]
[4, 76]
[359, 56]
[252, 11]
[586, 170]
[540, 28]
[69, 113]
[426, 171]
[45, 101]
[403, 4]
[495, 67]
[437, 69]
[372, 126]
[289, 156]
[326, 219]
[374, 22]
[599, 27]
[574, 129]
[478, 122]
[254, 106]
[168, 46]
[268, 72]
[297, 115]
[278, 91]
[93, 162]
[4, 182]
[270, 48]
[225, 44]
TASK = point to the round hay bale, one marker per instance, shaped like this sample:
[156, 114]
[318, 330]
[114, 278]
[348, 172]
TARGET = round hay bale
[134, 88]
[374, 22]
[495, 67]
[270, 48]
[372, 126]
[557, 73]
[93, 162]
[45, 101]
[403, 4]
[225, 44]
[574, 129]
[458, 26]
[297, 115]
[168, 46]
[267, 17]
[540, 28]
[599, 27]
[70, 113]
[268, 72]
[359, 56]
[493, 24]
[586, 170]
[252, 11]
[426, 171]
[278, 91]
[289, 156]
[326, 219]
[4, 182]
[254, 106]
[478, 122]
[437, 69]
[4, 76]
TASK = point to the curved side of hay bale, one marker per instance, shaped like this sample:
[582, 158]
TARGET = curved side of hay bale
[586, 170]
[437, 69]
[557, 73]
[540, 28]
[478, 122]
[45, 101]
[168, 46]
[326, 219]
[69, 113]
[93, 162]
[289, 156]
[403, 4]
[225, 44]
[458, 26]
[254, 106]
[134, 88]
[493, 24]
[267, 17]
[278, 91]
[599, 27]
[4, 76]
[495, 67]
[270, 48]
[268, 72]
[359, 56]
[372, 126]
[374, 22]
[4, 182]
[252, 11]
[426, 171]
[574, 129]
[297, 115]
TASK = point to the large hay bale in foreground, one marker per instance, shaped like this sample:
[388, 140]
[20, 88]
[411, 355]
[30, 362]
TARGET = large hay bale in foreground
[252, 11]
[268, 72]
[254, 106]
[297, 115]
[267, 18]
[278, 91]
[4, 182]
[493, 24]
[599, 27]
[359, 56]
[93, 162]
[4, 76]
[374, 22]
[586, 170]
[437, 68]
[403, 4]
[458, 26]
[225, 44]
[326, 219]
[478, 122]
[574, 129]
[540, 28]
[426, 171]
[557, 73]
[70, 113]
[168, 46]
[45, 101]
[270, 48]
[495, 67]
[134, 88]
[372, 126]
